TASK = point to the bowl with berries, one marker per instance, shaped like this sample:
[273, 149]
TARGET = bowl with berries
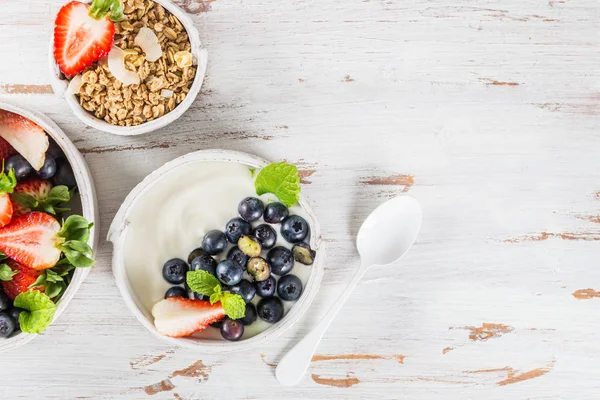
[217, 250]
[126, 67]
[47, 214]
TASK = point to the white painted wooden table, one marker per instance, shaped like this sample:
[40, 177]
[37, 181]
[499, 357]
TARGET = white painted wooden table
[488, 112]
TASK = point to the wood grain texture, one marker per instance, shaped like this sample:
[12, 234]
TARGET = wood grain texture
[485, 111]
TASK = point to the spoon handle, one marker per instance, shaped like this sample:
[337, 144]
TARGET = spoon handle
[292, 366]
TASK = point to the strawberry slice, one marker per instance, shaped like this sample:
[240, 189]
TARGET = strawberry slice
[37, 188]
[32, 240]
[27, 137]
[179, 317]
[84, 34]
[21, 281]
[6, 209]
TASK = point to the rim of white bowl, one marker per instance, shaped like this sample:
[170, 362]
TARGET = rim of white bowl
[200, 54]
[117, 233]
[87, 193]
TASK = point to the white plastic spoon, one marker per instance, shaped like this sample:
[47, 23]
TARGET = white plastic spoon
[384, 237]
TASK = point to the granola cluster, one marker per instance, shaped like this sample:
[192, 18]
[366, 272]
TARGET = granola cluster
[164, 83]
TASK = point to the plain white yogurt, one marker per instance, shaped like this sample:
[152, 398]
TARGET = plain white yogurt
[171, 217]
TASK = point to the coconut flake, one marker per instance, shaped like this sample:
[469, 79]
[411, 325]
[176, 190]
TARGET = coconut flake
[166, 93]
[147, 40]
[116, 66]
[75, 85]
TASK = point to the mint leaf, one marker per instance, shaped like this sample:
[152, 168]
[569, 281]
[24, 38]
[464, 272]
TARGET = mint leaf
[234, 305]
[282, 180]
[55, 289]
[202, 282]
[79, 254]
[7, 182]
[6, 273]
[76, 228]
[39, 311]
[59, 194]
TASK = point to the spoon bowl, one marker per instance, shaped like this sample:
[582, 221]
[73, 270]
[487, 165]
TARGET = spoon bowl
[389, 231]
[383, 238]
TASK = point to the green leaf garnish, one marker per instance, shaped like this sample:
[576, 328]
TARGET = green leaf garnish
[101, 8]
[234, 305]
[6, 273]
[76, 232]
[39, 311]
[7, 181]
[206, 284]
[282, 180]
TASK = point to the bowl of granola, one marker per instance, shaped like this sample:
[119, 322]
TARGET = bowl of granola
[126, 67]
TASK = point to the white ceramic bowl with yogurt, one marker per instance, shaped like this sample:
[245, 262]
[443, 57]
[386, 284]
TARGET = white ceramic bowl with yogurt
[89, 211]
[60, 84]
[167, 215]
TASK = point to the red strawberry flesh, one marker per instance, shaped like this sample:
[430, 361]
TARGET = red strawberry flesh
[79, 39]
[6, 209]
[37, 188]
[31, 240]
[179, 317]
[21, 281]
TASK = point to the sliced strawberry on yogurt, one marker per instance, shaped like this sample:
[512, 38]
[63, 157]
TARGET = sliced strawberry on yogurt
[27, 137]
[178, 317]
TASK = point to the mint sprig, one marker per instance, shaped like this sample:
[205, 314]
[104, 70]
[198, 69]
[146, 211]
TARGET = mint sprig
[282, 180]
[206, 284]
[76, 232]
[39, 311]
[101, 8]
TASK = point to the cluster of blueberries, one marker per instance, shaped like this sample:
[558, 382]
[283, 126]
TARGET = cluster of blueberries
[271, 278]
[56, 167]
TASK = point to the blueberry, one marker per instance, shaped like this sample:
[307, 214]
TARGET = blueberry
[265, 235]
[229, 273]
[48, 170]
[244, 289]
[5, 302]
[237, 256]
[14, 313]
[270, 309]
[236, 228]
[294, 229]
[258, 268]
[54, 151]
[20, 165]
[289, 287]
[266, 288]
[204, 263]
[232, 329]
[64, 175]
[176, 291]
[7, 325]
[195, 253]
[214, 242]
[250, 315]
[250, 246]
[174, 271]
[275, 212]
[304, 254]
[281, 260]
[251, 209]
